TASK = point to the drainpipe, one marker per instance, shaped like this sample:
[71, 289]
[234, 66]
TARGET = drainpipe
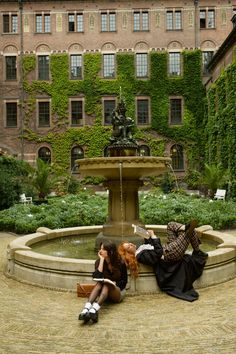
[196, 25]
[21, 88]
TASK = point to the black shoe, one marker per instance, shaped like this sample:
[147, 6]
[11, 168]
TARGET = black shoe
[94, 316]
[200, 253]
[84, 317]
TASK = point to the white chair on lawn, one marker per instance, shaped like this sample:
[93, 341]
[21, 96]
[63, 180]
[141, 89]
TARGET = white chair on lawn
[220, 194]
[24, 199]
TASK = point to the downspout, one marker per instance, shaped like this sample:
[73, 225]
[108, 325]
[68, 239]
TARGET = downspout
[21, 87]
[196, 25]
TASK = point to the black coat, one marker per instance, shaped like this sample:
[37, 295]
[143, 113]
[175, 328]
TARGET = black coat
[174, 278]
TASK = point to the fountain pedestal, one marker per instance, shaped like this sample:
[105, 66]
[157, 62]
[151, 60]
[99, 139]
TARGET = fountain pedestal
[123, 179]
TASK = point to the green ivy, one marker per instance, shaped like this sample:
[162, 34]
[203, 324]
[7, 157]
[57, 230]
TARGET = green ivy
[221, 124]
[95, 137]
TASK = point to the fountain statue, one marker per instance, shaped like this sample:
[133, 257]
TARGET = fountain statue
[123, 170]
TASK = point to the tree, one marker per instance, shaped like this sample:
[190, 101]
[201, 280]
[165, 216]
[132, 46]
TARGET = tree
[43, 179]
[13, 176]
[213, 178]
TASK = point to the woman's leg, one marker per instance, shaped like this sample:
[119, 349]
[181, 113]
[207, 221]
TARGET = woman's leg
[83, 316]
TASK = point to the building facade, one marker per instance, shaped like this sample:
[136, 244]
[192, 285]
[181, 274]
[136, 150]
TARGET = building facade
[60, 72]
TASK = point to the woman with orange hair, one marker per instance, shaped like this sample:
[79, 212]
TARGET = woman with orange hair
[175, 271]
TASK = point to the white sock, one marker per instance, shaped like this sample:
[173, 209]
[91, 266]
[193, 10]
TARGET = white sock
[87, 307]
[95, 307]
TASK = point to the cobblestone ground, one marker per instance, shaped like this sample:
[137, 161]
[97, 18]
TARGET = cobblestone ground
[35, 320]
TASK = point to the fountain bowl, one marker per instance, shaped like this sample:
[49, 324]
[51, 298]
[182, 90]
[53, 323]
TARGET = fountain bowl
[59, 273]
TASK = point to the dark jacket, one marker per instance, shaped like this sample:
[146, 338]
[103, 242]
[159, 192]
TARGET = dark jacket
[118, 274]
[174, 278]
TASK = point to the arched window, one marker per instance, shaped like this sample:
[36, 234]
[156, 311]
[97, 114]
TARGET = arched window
[76, 153]
[177, 155]
[144, 150]
[44, 154]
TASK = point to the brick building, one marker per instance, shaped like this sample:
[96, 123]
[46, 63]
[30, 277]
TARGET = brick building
[42, 30]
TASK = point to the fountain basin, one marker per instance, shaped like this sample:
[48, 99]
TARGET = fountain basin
[63, 273]
[133, 167]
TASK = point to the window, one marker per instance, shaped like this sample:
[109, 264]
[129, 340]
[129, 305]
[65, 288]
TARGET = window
[10, 67]
[141, 21]
[207, 18]
[174, 64]
[108, 108]
[176, 153]
[108, 22]
[142, 65]
[142, 111]
[174, 20]
[76, 66]
[10, 24]
[44, 114]
[44, 154]
[75, 22]
[206, 58]
[144, 150]
[76, 112]
[109, 65]
[175, 111]
[76, 154]
[43, 67]
[11, 114]
[43, 23]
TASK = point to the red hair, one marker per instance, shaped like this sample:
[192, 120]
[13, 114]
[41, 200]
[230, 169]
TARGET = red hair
[129, 259]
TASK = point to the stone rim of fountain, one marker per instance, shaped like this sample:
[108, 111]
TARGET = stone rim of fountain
[59, 273]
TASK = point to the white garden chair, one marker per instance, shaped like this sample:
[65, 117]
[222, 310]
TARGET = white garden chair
[220, 194]
[24, 199]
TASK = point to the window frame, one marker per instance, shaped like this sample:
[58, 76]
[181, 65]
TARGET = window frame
[138, 111]
[141, 21]
[80, 56]
[205, 71]
[45, 73]
[173, 20]
[178, 163]
[174, 64]
[104, 101]
[48, 159]
[78, 22]
[73, 157]
[7, 78]
[106, 66]
[139, 65]
[45, 28]
[39, 102]
[204, 21]
[12, 26]
[108, 21]
[173, 121]
[16, 104]
[80, 120]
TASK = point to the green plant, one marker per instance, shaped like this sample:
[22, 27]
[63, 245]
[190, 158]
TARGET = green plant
[214, 176]
[43, 179]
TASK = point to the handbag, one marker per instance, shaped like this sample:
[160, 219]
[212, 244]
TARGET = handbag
[84, 290]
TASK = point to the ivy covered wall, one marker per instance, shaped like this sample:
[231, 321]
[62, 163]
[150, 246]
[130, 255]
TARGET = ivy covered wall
[220, 129]
[159, 87]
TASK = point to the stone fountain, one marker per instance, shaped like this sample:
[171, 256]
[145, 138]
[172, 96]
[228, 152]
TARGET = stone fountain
[123, 170]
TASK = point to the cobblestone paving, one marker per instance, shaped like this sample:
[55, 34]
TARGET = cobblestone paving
[39, 321]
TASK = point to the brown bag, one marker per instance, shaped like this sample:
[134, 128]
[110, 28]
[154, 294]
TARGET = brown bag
[84, 290]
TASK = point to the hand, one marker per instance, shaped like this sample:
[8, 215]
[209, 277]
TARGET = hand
[101, 254]
[151, 233]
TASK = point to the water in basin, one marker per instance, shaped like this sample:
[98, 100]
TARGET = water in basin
[83, 246]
